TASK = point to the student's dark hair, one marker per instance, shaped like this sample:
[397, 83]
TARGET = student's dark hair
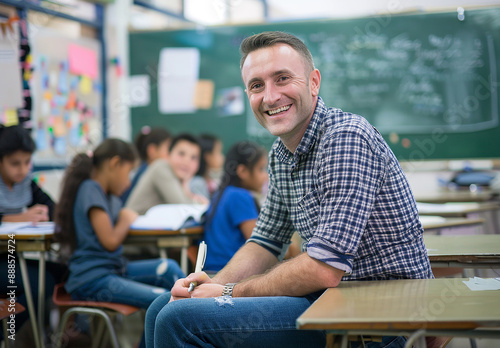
[207, 144]
[77, 172]
[271, 38]
[149, 136]
[15, 138]
[184, 137]
[246, 153]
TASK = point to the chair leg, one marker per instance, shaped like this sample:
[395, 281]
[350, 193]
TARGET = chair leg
[58, 337]
[5, 333]
[91, 311]
[97, 332]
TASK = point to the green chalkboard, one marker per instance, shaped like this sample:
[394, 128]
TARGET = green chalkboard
[428, 82]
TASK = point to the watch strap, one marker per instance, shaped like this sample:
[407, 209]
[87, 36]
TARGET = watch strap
[227, 290]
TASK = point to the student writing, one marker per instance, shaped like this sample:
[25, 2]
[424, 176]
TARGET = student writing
[233, 211]
[92, 224]
[22, 200]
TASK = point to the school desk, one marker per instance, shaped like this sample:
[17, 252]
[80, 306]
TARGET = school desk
[411, 307]
[167, 239]
[488, 210]
[432, 222]
[446, 196]
[32, 242]
[464, 251]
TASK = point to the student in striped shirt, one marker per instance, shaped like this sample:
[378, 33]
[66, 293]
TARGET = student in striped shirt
[22, 200]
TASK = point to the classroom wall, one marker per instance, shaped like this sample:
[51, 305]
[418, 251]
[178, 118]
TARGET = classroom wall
[116, 35]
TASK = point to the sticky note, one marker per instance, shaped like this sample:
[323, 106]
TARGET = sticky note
[82, 61]
[10, 117]
[85, 85]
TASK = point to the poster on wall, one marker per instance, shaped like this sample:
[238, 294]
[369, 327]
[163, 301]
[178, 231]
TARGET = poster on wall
[178, 71]
[10, 84]
[66, 89]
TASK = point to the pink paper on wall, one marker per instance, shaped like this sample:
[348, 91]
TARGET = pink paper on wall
[82, 61]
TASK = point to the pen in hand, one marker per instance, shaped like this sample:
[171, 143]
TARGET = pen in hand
[200, 261]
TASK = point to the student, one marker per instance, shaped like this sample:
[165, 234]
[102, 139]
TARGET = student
[334, 180]
[233, 211]
[167, 182]
[20, 197]
[151, 144]
[92, 224]
[207, 178]
[21, 200]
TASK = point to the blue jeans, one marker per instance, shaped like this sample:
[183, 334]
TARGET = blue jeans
[232, 322]
[142, 282]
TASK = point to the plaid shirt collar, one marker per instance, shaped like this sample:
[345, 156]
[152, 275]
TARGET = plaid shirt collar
[312, 133]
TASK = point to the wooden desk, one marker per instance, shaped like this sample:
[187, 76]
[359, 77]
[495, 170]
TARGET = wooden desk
[39, 243]
[431, 222]
[167, 239]
[471, 251]
[488, 210]
[417, 307]
[456, 209]
[455, 196]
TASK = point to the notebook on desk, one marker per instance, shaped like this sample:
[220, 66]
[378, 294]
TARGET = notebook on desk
[452, 207]
[27, 228]
[170, 217]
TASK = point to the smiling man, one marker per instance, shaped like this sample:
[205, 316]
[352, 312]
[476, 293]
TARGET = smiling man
[334, 180]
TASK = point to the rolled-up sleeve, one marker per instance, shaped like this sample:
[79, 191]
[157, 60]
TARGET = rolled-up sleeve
[349, 176]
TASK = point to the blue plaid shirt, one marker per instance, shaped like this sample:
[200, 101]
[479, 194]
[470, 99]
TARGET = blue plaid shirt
[345, 193]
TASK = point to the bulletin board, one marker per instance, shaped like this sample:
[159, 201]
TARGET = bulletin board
[67, 96]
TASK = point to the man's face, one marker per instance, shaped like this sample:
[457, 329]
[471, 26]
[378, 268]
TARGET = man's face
[281, 92]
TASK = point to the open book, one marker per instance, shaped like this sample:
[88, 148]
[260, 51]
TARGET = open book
[170, 217]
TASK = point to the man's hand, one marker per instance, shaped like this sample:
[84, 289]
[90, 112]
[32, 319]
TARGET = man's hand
[207, 290]
[180, 289]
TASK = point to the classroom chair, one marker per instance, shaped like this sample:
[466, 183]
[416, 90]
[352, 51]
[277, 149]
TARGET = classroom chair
[4, 316]
[437, 342]
[103, 310]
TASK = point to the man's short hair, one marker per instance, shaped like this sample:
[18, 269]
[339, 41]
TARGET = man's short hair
[271, 38]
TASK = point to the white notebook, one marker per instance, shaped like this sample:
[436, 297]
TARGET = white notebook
[27, 228]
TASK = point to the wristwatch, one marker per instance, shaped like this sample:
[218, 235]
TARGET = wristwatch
[228, 289]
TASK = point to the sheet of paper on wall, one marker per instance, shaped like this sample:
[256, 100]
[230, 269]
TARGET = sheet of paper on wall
[10, 70]
[204, 94]
[230, 101]
[139, 90]
[10, 117]
[178, 72]
[85, 85]
[82, 61]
